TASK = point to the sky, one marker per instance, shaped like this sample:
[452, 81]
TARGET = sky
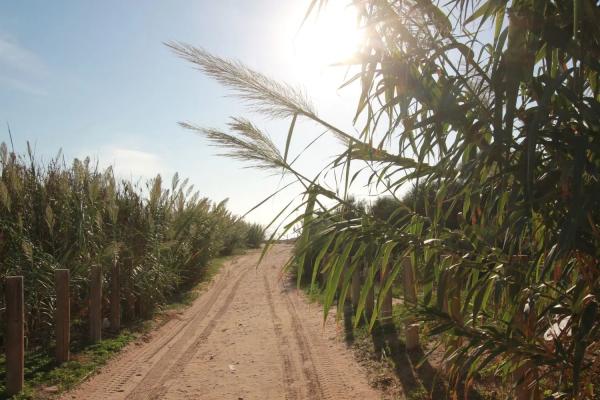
[95, 79]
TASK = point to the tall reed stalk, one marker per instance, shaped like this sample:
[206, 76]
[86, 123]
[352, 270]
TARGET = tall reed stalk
[75, 216]
[490, 110]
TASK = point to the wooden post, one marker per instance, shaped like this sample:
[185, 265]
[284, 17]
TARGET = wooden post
[386, 307]
[129, 312]
[95, 304]
[115, 299]
[340, 284]
[410, 299]
[369, 301]
[445, 307]
[454, 304]
[527, 373]
[527, 389]
[355, 292]
[453, 287]
[63, 315]
[15, 341]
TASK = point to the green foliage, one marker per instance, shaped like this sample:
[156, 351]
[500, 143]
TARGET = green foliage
[490, 111]
[60, 216]
[41, 368]
[255, 236]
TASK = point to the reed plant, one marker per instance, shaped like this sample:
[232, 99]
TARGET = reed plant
[490, 110]
[74, 216]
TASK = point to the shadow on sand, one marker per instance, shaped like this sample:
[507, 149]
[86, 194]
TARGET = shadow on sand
[413, 370]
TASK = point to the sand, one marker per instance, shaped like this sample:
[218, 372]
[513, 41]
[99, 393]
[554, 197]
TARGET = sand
[251, 335]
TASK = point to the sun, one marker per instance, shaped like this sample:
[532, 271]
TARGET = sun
[328, 37]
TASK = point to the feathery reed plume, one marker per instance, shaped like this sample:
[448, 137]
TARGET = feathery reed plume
[245, 143]
[265, 95]
[495, 128]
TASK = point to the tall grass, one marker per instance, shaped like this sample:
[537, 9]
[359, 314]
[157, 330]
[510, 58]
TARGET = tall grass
[74, 216]
[255, 236]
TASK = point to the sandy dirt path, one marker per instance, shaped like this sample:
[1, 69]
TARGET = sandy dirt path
[251, 335]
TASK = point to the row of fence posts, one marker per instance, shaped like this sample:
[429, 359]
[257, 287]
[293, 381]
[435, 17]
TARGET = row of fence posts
[411, 333]
[15, 340]
[525, 376]
[15, 316]
[385, 314]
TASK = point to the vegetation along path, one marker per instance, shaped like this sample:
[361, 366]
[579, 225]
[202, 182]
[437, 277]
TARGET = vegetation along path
[251, 335]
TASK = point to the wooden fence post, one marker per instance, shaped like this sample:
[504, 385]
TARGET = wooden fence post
[355, 288]
[454, 303]
[370, 300]
[526, 375]
[115, 298]
[95, 304]
[63, 314]
[454, 287]
[410, 299]
[15, 341]
[129, 312]
[386, 306]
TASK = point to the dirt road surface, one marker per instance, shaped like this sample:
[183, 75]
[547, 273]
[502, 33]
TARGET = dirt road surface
[251, 335]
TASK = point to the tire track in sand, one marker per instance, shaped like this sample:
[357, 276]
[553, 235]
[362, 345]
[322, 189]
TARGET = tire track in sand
[289, 371]
[169, 363]
[115, 380]
[331, 384]
[152, 386]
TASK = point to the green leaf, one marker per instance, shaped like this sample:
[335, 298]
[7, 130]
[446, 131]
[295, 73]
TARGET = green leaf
[289, 137]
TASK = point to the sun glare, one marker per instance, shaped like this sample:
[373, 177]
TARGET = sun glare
[328, 37]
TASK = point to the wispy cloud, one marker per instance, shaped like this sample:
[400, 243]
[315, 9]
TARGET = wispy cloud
[131, 163]
[23, 86]
[20, 68]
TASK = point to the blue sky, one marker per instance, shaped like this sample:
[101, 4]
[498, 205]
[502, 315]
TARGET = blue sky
[94, 78]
